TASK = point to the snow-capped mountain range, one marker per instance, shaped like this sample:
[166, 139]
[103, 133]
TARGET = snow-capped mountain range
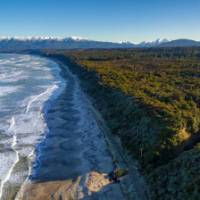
[153, 43]
[18, 43]
[23, 43]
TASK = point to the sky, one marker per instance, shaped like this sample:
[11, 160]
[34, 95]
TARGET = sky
[105, 20]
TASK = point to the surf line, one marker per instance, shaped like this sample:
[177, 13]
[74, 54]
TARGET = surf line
[38, 96]
[31, 156]
[14, 142]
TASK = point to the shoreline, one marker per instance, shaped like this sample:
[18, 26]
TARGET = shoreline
[57, 91]
[59, 186]
[133, 185]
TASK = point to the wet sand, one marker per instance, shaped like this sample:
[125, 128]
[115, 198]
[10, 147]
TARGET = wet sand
[73, 160]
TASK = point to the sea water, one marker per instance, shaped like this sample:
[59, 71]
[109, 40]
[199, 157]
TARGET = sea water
[28, 86]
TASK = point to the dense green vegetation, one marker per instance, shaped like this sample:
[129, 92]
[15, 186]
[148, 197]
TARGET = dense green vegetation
[179, 179]
[150, 98]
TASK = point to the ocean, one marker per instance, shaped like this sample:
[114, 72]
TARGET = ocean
[28, 86]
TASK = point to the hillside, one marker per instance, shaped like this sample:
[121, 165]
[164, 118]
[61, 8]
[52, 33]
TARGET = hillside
[180, 43]
[150, 100]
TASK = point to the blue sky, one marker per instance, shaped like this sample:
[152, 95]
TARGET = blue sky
[108, 20]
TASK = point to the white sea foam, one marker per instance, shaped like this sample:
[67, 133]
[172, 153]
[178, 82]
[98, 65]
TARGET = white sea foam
[14, 143]
[8, 90]
[28, 85]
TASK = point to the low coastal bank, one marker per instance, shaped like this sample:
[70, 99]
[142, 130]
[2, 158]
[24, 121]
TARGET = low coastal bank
[132, 185]
[171, 172]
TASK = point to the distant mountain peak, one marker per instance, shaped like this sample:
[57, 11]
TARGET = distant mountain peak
[181, 43]
[153, 43]
[78, 38]
[124, 42]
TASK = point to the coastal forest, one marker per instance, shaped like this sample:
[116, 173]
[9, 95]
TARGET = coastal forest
[150, 99]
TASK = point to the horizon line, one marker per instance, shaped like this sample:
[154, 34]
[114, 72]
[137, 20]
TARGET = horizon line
[84, 38]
